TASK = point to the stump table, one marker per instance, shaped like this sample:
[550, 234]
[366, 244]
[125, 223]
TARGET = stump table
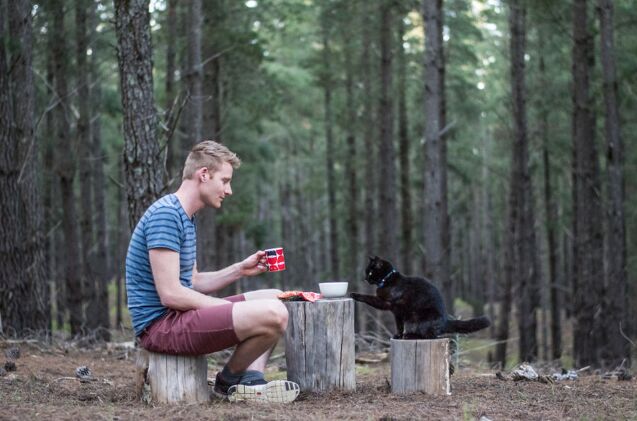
[172, 378]
[319, 344]
[420, 366]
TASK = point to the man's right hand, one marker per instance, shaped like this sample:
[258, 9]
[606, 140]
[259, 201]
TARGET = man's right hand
[254, 264]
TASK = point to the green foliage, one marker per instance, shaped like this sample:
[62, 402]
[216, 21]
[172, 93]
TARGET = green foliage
[273, 78]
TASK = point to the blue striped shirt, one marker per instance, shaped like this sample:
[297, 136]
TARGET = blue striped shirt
[164, 225]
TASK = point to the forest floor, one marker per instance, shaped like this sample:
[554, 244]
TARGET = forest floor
[44, 386]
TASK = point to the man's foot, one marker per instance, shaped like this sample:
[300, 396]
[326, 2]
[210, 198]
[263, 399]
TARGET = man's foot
[277, 391]
[221, 387]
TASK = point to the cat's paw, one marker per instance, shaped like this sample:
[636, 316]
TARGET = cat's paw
[355, 296]
[397, 336]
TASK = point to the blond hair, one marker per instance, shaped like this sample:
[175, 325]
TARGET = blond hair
[211, 155]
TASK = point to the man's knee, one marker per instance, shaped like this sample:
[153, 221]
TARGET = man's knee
[262, 294]
[278, 315]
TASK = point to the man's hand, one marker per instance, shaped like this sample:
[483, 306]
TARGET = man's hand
[254, 264]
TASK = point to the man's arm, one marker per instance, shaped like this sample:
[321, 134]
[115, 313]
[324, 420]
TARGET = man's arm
[165, 267]
[208, 282]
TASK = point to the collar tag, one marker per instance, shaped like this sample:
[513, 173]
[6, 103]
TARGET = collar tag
[382, 282]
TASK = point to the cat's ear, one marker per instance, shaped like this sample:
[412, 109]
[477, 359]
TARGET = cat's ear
[371, 259]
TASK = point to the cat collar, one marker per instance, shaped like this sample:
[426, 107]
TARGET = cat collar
[382, 282]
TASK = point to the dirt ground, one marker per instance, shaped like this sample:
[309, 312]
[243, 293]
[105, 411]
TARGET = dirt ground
[44, 386]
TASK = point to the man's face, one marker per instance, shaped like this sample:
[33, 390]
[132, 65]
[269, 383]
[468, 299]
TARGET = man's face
[215, 186]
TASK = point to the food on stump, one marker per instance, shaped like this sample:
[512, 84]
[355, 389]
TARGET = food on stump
[299, 296]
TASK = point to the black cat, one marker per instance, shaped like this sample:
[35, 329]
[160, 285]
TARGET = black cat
[416, 303]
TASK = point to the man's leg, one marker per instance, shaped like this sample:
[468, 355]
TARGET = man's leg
[258, 324]
[262, 294]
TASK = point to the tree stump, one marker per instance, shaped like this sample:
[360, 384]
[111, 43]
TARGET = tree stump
[420, 366]
[164, 378]
[319, 344]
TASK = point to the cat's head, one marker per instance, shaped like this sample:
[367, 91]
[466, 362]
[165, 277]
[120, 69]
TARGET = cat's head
[377, 269]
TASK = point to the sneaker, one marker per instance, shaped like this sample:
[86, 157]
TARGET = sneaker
[221, 387]
[277, 391]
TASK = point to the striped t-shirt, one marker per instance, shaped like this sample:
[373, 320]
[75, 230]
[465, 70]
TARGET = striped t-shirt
[164, 225]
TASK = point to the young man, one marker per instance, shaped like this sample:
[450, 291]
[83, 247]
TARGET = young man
[168, 297]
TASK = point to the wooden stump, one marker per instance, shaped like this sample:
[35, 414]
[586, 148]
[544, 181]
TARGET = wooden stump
[163, 378]
[420, 366]
[319, 344]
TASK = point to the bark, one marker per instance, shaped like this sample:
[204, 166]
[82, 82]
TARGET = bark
[210, 126]
[615, 307]
[65, 167]
[85, 161]
[370, 173]
[550, 214]
[171, 38]
[100, 262]
[435, 201]
[120, 248]
[195, 73]
[387, 212]
[446, 229]
[330, 155]
[353, 258]
[371, 178]
[510, 255]
[50, 199]
[406, 213]
[489, 232]
[24, 301]
[588, 252]
[525, 270]
[143, 165]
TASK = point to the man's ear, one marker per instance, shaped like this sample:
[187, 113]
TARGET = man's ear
[203, 174]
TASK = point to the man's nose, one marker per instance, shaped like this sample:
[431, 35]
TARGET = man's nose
[228, 190]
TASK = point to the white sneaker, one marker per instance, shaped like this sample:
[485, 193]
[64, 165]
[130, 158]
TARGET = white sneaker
[277, 391]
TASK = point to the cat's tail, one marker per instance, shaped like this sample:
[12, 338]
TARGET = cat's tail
[467, 326]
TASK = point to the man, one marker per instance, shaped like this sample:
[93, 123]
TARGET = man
[168, 297]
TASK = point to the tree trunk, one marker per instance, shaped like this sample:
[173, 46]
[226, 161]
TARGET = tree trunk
[65, 166]
[588, 251]
[333, 244]
[50, 197]
[24, 299]
[434, 195]
[371, 179]
[353, 258]
[101, 261]
[615, 303]
[85, 162]
[387, 214]
[525, 269]
[195, 73]
[551, 213]
[172, 166]
[407, 219]
[447, 282]
[142, 161]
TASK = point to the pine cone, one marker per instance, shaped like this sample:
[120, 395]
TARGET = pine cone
[84, 373]
[12, 353]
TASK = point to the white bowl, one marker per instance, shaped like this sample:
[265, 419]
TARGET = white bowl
[333, 289]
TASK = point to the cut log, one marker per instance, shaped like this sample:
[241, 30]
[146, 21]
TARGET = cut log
[420, 366]
[319, 344]
[163, 378]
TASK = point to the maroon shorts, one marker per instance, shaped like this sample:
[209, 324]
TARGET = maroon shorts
[193, 332]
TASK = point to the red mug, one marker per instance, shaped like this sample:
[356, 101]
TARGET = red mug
[275, 259]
